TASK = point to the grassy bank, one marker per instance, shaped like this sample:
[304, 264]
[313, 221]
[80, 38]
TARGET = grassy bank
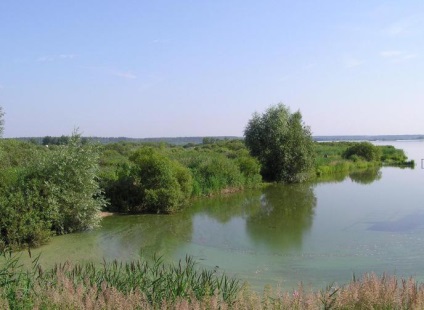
[332, 158]
[143, 285]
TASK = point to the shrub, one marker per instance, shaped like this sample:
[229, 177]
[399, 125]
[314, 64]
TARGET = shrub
[365, 150]
[160, 184]
[69, 175]
[55, 190]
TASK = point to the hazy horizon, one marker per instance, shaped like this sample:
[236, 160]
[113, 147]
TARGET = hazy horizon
[182, 68]
[415, 136]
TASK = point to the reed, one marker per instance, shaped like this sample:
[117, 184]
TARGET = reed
[151, 282]
[156, 285]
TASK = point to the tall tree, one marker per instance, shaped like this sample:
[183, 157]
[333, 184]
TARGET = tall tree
[282, 143]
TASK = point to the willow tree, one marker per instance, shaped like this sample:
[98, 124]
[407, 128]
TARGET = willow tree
[282, 143]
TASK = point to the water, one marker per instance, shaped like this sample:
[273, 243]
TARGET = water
[316, 234]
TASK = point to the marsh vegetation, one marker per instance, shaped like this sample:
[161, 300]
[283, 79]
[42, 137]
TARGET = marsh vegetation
[61, 188]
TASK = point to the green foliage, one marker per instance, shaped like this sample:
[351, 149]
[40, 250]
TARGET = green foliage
[70, 176]
[365, 150]
[332, 157]
[47, 190]
[212, 168]
[152, 182]
[223, 166]
[216, 173]
[282, 143]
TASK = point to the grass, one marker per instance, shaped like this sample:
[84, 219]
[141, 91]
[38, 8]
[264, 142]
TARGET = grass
[136, 285]
[329, 159]
[155, 285]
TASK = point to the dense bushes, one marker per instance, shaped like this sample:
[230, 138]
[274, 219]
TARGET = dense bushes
[163, 185]
[364, 150]
[151, 182]
[162, 179]
[47, 191]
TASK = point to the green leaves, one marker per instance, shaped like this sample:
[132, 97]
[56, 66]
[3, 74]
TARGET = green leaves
[155, 182]
[282, 144]
[365, 150]
[50, 190]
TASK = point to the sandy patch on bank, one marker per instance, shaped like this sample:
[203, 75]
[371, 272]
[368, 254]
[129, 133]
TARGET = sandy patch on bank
[104, 214]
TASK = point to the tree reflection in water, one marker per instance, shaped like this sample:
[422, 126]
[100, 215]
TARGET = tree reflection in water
[286, 214]
[367, 176]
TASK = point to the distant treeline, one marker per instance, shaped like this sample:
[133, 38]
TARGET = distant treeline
[369, 138]
[51, 140]
[199, 140]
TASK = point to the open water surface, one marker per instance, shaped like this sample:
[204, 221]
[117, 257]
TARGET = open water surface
[316, 233]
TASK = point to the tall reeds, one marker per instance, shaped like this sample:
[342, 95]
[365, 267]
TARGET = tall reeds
[156, 285]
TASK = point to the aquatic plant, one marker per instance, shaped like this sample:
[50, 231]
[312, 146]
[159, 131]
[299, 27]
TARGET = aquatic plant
[138, 284]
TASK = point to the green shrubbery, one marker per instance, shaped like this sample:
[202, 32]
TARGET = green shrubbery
[162, 184]
[47, 191]
[343, 157]
[364, 150]
[162, 178]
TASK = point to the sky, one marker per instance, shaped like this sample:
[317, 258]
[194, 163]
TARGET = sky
[202, 68]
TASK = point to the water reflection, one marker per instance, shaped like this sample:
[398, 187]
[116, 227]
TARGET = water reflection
[286, 214]
[226, 207]
[367, 176]
[149, 234]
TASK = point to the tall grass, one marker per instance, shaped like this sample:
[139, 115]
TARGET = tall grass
[155, 285]
[138, 284]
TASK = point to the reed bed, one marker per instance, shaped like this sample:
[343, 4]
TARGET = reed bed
[155, 285]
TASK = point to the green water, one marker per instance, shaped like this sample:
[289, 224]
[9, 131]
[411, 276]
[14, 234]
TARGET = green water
[316, 233]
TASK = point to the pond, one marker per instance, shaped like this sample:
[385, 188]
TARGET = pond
[317, 233]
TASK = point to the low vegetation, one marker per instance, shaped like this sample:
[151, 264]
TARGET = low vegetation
[342, 157]
[155, 285]
[162, 178]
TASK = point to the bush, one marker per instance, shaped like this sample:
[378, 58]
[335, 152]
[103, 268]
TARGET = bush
[55, 191]
[365, 150]
[159, 184]
[212, 170]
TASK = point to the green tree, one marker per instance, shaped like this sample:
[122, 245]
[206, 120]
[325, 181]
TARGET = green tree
[282, 144]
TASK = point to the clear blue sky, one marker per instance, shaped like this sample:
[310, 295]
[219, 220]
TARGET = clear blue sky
[201, 68]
